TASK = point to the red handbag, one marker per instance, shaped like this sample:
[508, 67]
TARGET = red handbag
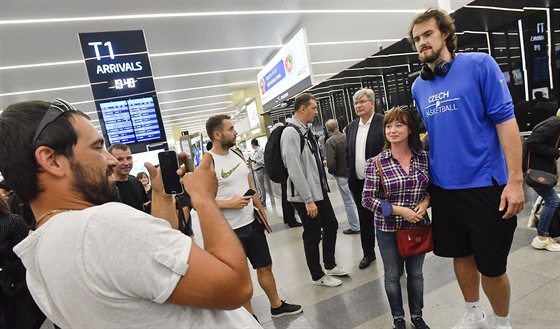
[410, 241]
[415, 241]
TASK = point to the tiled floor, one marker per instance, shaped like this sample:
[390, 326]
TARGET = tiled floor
[360, 302]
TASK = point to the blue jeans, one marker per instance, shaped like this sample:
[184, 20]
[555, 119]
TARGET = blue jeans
[351, 211]
[394, 264]
[551, 203]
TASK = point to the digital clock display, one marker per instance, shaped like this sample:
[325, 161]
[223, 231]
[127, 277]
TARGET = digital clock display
[124, 83]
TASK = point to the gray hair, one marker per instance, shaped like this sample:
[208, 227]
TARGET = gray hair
[365, 91]
[331, 125]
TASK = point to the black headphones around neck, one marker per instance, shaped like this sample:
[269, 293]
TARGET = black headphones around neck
[441, 67]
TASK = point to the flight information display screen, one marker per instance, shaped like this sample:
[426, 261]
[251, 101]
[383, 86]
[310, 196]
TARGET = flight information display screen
[130, 121]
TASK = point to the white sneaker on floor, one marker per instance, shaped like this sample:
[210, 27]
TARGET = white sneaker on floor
[470, 322]
[328, 281]
[337, 270]
[549, 244]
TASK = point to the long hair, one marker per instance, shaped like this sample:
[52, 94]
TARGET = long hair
[445, 22]
[403, 115]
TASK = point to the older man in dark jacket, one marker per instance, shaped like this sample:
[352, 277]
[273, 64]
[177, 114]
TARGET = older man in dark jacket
[364, 139]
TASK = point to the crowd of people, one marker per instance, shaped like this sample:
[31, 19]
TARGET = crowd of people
[106, 249]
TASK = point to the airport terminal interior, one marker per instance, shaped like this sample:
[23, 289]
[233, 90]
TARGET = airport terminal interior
[360, 301]
[184, 61]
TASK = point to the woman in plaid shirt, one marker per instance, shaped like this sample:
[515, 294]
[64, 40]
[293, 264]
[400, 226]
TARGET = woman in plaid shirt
[405, 174]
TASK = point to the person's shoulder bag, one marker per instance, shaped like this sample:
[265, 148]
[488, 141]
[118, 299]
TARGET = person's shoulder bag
[539, 179]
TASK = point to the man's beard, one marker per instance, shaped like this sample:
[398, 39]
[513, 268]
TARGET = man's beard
[228, 144]
[93, 191]
[432, 57]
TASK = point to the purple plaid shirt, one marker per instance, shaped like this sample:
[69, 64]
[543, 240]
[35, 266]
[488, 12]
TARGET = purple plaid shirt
[405, 190]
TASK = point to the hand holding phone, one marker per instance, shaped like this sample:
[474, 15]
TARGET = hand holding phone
[169, 165]
[250, 192]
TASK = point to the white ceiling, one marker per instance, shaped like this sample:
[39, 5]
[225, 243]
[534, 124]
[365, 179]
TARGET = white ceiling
[200, 51]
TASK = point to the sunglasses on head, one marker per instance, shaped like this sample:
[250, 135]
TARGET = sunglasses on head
[57, 108]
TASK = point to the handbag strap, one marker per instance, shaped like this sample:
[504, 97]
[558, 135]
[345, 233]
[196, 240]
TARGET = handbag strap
[381, 178]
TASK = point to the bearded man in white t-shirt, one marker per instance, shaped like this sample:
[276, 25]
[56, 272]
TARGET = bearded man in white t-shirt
[234, 181]
[94, 263]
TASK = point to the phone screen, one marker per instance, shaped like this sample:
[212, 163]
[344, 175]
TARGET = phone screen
[168, 165]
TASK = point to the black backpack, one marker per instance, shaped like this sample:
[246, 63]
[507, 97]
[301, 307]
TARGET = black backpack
[273, 156]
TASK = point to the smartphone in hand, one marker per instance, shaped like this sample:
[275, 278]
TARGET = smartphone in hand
[169, 165]
[250, 192]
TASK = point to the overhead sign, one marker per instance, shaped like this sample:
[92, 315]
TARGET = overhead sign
[123, 88]
[287, 73]
[117, 64]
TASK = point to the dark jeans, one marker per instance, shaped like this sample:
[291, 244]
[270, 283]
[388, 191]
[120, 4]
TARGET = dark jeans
[288, 211]
[326, 220]
[367, 227]
[393, 265]
[551, 203]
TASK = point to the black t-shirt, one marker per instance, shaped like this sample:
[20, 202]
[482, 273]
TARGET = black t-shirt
[132, 192]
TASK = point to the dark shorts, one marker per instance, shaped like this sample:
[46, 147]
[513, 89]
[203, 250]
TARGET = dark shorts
[467, 222]
[254, 243]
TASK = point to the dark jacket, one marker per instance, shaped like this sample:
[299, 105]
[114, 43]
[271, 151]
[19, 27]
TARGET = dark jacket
[336, 155]
[374, 144]
[542, 146]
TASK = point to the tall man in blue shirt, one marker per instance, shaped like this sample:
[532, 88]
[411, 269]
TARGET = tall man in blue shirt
[475, 163]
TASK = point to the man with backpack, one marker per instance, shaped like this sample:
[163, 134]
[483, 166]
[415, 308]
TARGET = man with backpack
[307, 191]
[277, 173]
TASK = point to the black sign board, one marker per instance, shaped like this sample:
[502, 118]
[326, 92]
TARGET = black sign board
[535, 31]
[123, 88]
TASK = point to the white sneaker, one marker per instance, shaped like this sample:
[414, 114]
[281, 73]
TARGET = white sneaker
[328, 281]
[470, 322]
[337, 270]
[549, 244]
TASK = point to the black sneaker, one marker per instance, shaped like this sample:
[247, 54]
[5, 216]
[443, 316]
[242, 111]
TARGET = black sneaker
[419, 323]
[399, 323]
[285, 309]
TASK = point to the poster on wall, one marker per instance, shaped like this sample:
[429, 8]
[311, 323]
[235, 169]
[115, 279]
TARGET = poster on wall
[253, 115]
[287, 73]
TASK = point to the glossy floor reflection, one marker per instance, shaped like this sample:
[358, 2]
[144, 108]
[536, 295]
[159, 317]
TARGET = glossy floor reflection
[360, 301]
